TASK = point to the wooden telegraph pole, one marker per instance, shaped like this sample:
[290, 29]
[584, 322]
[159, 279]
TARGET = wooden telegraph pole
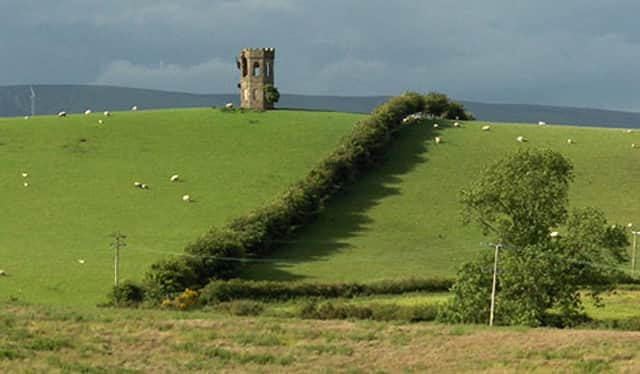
[493, 286]
[633, 254]
[118, 242]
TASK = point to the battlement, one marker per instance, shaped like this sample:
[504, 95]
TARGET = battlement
[258, 52]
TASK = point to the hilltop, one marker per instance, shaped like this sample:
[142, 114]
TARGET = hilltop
[15, 101]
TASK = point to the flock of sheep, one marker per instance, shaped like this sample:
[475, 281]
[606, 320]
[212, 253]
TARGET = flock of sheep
[174, 178]
[418, 117]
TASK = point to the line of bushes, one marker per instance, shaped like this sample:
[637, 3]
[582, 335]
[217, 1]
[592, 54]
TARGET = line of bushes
[258, 232]
[377, 312]
[236, 289]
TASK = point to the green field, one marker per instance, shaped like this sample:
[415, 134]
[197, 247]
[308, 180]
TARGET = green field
[81, 177]
[404, 218]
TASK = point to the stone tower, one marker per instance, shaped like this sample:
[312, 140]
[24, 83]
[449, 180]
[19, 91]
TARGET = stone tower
[256, 71]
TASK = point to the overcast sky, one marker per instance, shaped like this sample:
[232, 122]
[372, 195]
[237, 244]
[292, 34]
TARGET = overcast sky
[562, 52]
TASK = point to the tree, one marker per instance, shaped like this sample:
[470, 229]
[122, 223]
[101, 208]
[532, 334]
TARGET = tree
[456, 111]
[518, 200]
[271, 94]
[436, 103]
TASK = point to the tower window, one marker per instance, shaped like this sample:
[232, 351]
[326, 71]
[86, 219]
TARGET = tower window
[256, 69]
[268, 70]
[244, 66]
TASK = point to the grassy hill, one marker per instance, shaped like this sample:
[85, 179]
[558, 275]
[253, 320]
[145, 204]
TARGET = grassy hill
[81, 177]
[403, 219]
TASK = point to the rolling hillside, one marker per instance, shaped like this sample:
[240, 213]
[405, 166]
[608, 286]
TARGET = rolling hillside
[404, 219]
[50, 99]
[81, 176]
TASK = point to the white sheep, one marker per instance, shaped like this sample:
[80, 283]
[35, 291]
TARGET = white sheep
[438, 140]
[174, 178]
[3, 273]
[26, 184]
[87, 112]
[144, 186]
[629, 225]
[26, 117]
[628, 131]
[435, 126]
[100, 122]
[107, 113]
[24, 175]
[521, 139]
[554, 234]
[134, 108]
[186, 198]
[62, 114]
[137, 184]
[456, 124]
[228, 105]
[570, 141]
[81, 261]
[541, 123]
[486, 128]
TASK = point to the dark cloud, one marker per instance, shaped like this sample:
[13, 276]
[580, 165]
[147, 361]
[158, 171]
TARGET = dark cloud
[574, 52]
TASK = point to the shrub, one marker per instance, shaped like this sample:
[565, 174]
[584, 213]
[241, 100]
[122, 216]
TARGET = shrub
[242, 308]
[436, 103]
[378, 312]
[186, 300]
[126, 294]
[271, 94]
[221, 291]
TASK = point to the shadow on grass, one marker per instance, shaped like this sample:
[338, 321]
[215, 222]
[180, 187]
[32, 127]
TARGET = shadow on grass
[345, 215]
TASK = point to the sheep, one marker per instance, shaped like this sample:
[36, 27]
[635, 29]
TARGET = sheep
[26, 117]
[435, 126]
[456, 124]
[3, 273]
[24, 175]
[486, 128]
[569, 141]
[629, 225]
[541, 123]
[144, 186]
[438, 140]
[62, 114]
[521, 139]
[629, 131]
[228, 105]
[634, 145]
[81, 261]
[174, 178]
[87, 112]
[107, 113]
[100, 122]
[134, 108]
[412, 118]
[26, 184]
[137, 184]
[554, 234]
[186, 198]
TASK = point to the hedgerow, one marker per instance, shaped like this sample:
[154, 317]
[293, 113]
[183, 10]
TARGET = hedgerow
[236, 289]
[214, 255]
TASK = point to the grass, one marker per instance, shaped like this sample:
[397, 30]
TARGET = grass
[54, 339]
[81, 190]
[404, 218]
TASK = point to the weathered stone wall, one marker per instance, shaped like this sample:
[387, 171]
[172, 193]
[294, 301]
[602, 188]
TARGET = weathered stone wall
[256, 70]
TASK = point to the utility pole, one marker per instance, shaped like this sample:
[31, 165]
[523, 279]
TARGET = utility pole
[118, 242]
[493, 286]
[633, 254]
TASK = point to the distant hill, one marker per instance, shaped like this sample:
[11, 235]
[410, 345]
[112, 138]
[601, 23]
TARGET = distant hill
[15, 101]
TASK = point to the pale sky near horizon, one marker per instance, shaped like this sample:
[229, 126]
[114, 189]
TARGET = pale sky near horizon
[571, 52]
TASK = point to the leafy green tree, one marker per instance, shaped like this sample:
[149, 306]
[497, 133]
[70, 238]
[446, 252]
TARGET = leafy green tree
[271, 94]
[436, 103]
[517, 200]
[456, 111]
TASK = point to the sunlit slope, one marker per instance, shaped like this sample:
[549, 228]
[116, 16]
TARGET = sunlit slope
[404, 219]
[81, 177]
